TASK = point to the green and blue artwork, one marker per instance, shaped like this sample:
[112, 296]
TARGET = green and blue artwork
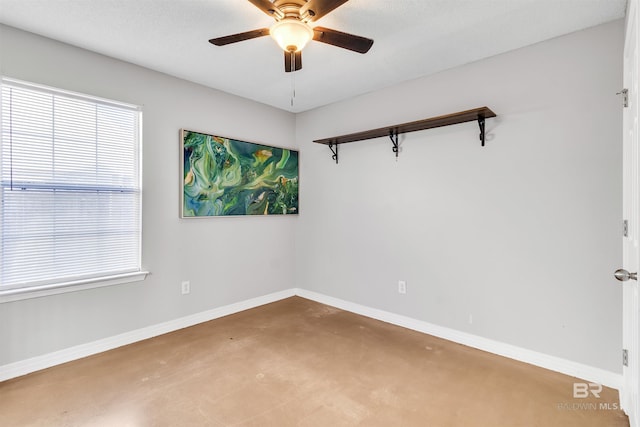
[224, 177]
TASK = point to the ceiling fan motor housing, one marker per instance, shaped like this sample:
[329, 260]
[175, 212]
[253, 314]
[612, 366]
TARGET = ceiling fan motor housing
[291, 9]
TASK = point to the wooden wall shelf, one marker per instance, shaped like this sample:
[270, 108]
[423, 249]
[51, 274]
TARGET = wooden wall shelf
[479, 114]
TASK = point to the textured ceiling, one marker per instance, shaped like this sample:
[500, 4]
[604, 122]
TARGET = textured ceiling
[413, 38]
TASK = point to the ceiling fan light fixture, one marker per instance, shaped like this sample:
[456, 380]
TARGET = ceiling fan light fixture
[291, 34]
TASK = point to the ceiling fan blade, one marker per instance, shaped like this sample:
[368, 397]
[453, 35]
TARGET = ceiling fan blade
[292, 61]
[234, 38]
[343, 40]
[267, 7]
[316, 9]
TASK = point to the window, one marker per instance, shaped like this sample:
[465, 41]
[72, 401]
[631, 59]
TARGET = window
[70, 193]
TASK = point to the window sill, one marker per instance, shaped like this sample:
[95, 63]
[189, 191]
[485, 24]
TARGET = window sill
[61, 288]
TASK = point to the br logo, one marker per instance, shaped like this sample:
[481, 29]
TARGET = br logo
[582, 390]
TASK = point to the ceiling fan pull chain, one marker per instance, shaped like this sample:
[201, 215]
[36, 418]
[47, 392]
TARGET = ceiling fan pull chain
[293, 80]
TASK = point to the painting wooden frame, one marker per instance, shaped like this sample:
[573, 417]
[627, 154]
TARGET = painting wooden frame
[221, 176]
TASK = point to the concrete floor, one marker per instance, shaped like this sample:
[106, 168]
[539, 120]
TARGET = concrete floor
[299, 363]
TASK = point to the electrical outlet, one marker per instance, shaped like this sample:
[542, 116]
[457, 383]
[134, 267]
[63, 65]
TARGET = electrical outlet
[470, 319]
[402, 287]
[186, 287]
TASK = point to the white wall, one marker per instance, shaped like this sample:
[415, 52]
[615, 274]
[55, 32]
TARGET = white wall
[226, 259]
[523, 235]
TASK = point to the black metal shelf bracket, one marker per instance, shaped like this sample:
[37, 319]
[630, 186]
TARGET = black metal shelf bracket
[335, 152]
[481, 124]
[393, 135]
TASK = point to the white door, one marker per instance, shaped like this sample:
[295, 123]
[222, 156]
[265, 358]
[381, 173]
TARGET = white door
[629, 395]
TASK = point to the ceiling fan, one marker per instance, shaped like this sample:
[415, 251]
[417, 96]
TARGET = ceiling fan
[292, 30]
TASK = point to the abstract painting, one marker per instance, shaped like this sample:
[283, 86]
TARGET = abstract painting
[226, 177]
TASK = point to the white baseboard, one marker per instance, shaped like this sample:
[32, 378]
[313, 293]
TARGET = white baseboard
[37, 363]
[574, 369]
[557, 364]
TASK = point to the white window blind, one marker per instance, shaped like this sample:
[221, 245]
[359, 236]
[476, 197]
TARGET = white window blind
[70, 172]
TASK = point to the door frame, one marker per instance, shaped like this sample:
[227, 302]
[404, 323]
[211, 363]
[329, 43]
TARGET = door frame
[629, 391]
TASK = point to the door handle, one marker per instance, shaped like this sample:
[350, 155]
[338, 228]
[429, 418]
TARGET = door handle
[623, 275]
